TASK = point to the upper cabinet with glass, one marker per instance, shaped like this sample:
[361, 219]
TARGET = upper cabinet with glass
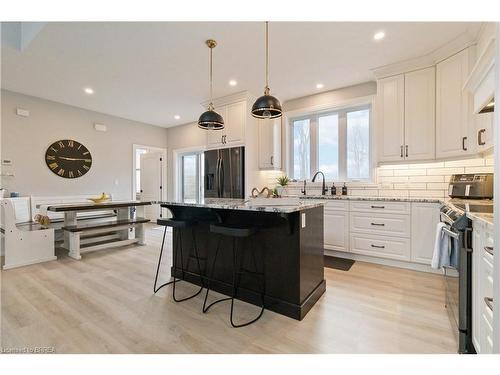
[336, 143]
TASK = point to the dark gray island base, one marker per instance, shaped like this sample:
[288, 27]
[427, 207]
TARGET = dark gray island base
[289, 243]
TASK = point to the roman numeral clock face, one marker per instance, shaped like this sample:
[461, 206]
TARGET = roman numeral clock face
[68, 159]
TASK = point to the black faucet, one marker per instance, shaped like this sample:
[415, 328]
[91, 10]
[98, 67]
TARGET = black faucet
[303, 191]
[323, 189]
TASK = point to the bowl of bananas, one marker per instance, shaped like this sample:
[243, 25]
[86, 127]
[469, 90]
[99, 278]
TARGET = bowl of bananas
[101, 199]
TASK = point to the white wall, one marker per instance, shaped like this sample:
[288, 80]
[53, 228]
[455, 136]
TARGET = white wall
[25, 140]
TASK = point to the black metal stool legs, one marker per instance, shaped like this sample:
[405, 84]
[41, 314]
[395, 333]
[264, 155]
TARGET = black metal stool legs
[175, 279]
[159, 263]
[205, 307]
[237, 273]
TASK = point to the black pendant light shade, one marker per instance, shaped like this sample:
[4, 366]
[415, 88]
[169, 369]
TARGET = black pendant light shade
[211, 120]
[267, 106]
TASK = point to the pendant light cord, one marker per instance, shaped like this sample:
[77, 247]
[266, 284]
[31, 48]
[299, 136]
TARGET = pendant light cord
[267, 59]
[211, 85]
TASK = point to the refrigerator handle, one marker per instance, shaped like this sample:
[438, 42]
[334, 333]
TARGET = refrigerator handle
[217, 175]
[222, 177]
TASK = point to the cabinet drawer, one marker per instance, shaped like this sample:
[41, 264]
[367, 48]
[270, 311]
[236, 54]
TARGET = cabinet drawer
[385, 224]
[340, 205]
[381, 206]
[381, 246]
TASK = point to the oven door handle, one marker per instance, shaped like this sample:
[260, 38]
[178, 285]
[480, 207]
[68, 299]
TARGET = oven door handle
[451, 234]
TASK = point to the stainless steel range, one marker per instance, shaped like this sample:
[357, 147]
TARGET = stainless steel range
[469, 193]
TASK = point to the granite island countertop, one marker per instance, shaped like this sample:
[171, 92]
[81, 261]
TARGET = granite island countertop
[243, 205]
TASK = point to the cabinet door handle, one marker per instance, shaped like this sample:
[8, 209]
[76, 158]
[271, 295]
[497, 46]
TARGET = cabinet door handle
[406, 147]
[401, 154]
[378, 206]
[480, 141]
[489, 302]
[272, 160]
[378, 246]
[378, 224]
[489, 250]
[463, 143]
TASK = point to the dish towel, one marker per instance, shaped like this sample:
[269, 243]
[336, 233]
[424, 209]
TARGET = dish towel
[441, 255]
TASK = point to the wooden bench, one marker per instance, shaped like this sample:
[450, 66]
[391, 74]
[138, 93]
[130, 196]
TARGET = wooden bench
[79, 232]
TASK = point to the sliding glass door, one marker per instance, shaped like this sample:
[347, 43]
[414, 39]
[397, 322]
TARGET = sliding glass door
[191, 177]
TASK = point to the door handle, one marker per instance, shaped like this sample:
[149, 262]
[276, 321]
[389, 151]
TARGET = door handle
[489, 250]
[378, 206]
[378, 246]
[406, 147]
[272, 160]
[489, 302]
[480, 141]
[378, 224]
[463, 143]
[401, 151]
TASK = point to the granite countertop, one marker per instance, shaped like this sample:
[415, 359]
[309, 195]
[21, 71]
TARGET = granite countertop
[382, 199]
[242, 205]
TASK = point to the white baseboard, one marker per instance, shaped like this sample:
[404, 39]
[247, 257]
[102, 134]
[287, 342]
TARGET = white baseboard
[10, 266]
[383, 261]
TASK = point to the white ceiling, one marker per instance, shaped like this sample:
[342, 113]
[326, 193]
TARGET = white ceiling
[150, 72]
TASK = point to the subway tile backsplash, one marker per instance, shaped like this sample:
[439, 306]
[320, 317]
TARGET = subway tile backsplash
[429, 180]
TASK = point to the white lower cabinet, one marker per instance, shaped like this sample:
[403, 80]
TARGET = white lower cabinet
[395, 230]
[482, 287]
[336, 226]
[424, 219]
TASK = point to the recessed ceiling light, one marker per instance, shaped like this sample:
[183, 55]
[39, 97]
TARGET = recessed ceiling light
[88, 90]
[232, 82]
[319, 86]
[177, 117]
[378, 36]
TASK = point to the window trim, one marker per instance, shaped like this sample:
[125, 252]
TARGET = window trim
[314, 113]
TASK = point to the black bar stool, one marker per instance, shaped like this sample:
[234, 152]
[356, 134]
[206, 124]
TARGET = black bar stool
[193, 254]
[236, 232]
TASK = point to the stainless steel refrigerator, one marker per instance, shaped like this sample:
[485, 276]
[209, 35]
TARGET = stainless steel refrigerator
[225, 173]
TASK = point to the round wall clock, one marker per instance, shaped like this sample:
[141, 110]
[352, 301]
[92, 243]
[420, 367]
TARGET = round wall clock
[68, 159]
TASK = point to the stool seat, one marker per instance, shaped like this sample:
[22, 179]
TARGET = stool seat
[233, 230]
[175, 223]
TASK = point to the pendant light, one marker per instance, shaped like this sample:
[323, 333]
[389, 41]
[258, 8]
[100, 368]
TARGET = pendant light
[267, 106]
[211, 120]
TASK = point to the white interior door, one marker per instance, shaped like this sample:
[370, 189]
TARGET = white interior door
[151, 183]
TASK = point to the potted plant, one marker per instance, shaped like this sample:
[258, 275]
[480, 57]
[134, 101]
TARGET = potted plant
[283, 182]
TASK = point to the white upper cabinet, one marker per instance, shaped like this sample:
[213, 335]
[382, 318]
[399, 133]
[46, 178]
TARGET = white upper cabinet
[390, 115]
[455, 128]
[270, 144]
[419, 110]
[484, 128]
[233, 134]
[406, 112]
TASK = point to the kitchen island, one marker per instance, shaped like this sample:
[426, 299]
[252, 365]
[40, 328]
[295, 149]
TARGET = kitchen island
[289, 244]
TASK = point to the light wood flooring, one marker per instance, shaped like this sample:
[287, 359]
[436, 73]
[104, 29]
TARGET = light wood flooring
[104, 303]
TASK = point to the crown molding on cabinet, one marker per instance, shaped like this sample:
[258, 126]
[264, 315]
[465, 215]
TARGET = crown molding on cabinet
[484, 64]
[458, 44]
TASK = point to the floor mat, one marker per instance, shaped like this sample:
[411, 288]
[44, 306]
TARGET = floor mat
[338, 263]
